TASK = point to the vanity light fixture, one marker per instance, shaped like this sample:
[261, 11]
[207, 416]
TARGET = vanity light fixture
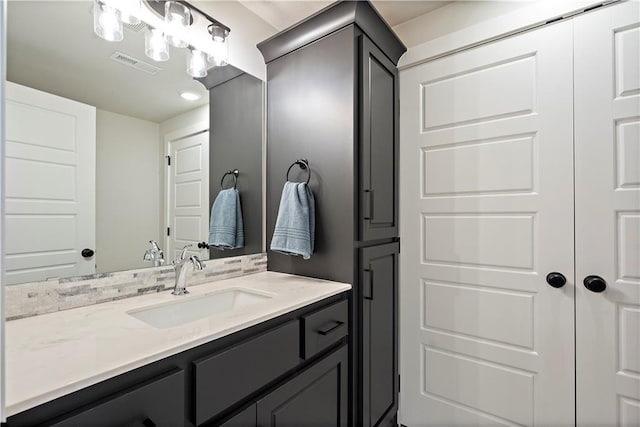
[107, 22]
[197, 63]
[177, 16]
[129, 10]
[220, 47]
[168, 23]
[155, 45]
[189, 96]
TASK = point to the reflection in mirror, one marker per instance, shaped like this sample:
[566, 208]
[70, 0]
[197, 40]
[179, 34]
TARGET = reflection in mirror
[91, 128]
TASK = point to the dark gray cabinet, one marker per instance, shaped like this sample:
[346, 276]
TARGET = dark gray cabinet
[244, 418]
[227, 381]
[379, 334]
[378, 144]
[332, 97]
[243, 369]
[159, 402]
[316, 397]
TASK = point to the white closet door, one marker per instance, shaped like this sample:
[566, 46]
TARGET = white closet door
[50, 171]
[189, 194]
[487, 212]
[607, 156]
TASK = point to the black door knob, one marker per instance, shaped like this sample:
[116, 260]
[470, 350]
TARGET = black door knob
[595, 283]
[555, 279]
[87, 253]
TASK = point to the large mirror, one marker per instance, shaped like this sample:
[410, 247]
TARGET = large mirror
[108, 149]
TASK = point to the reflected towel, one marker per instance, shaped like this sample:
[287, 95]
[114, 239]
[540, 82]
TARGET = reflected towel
[226, 230]
[295, 225]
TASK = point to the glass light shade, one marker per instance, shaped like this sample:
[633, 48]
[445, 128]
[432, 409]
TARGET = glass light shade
[106, 22]
[129, 11]
[178, 18]
[155, 46]
[197, 63]
[219, 55]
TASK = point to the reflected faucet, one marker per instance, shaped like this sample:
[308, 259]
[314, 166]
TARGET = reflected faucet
[154, 254]
[179, 266]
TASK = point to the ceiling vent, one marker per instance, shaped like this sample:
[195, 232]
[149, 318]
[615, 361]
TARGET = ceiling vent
[135, 28]
[125, 59]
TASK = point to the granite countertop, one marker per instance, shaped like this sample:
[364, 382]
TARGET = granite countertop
[55, 354]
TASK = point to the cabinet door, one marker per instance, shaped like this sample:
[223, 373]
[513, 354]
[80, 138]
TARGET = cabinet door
[316, 397]
[159, 402]
[379, 291]
[378, 144]
[245, 418]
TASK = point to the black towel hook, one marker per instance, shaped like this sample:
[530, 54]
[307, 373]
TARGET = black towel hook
[304, 165]
[235, 173]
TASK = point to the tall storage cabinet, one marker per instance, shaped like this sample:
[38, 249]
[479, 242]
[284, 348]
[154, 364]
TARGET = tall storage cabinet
[332, 98]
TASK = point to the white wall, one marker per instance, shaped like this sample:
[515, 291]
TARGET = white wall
[247, 30]
[199, 115]
[466, 23]
[184, 120]
[128, 188]
[451, 18]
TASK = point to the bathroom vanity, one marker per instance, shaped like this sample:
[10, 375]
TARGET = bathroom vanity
[274, 352]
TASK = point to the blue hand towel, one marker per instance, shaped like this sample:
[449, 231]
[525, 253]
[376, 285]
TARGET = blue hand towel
[295, 225]
[226, 230]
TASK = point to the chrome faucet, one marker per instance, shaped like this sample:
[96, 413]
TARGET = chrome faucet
[179, 266]
[154, 254]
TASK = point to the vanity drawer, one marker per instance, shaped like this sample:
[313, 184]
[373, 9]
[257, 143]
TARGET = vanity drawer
[159, 402]
[225, 378]
[324, 327]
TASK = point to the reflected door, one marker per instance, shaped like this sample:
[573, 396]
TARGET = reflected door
[50, 184]
[607, 148]
[487, 213]
[188, 194]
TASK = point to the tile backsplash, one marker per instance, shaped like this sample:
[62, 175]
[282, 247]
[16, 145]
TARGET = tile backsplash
[32, 299]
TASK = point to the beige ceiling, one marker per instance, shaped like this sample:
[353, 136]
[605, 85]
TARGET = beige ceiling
[284, 13]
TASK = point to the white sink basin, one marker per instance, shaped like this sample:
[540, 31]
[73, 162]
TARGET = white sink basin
[190, 308]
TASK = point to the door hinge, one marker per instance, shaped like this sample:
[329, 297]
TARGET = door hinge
[168, 160]
[168, 231]
[398, 383]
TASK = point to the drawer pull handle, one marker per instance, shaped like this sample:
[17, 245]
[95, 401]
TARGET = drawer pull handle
[331, 328]
[148, 423]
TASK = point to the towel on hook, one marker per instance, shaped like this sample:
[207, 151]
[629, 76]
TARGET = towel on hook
[295, 225]
[226, 230]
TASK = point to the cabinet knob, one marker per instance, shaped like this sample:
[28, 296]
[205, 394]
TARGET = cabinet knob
[595, 283]
[556, 280]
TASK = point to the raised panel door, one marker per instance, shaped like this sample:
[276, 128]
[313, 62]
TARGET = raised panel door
[607, 197]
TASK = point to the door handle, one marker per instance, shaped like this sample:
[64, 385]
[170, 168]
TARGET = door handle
[595, 283]
[87, 253]
[556, 280]
[368, 204]
[367, 284]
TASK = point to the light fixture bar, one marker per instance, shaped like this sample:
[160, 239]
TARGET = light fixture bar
[158, 7]
[209, 18]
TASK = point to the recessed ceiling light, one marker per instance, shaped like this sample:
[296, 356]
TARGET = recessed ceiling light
[189, 96]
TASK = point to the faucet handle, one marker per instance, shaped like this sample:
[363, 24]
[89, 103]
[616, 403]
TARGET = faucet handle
[154, 246]
[183, 254]
[197, 264]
